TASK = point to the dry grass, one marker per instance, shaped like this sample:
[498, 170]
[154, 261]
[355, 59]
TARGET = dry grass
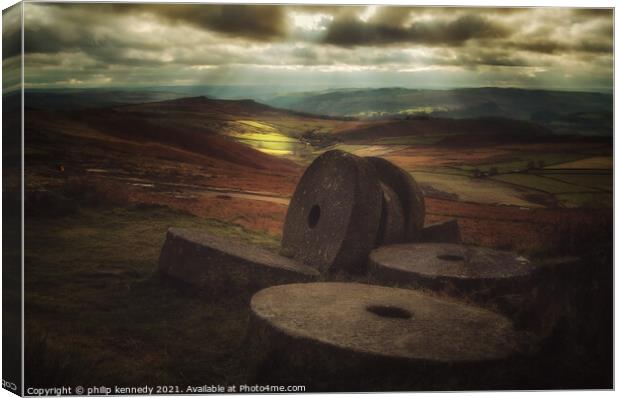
[96, 191]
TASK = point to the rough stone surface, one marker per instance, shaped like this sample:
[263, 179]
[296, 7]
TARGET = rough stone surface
[401, 337]
[392, 226]
[446, 260]
[533, 295]
[223, 265]
[442, 232]
[333, 219]
[407, 191]
[475, 273]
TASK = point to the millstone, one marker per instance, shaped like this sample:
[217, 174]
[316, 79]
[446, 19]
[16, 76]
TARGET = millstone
[408, 193]
[475, 272]
[392, 226]
[223, 265]
[365, 333]
[333, 219]
[442, 232]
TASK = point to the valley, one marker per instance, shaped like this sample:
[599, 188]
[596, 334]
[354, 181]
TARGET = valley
[238, 161]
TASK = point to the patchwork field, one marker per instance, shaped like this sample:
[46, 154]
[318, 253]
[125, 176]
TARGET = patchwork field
[596, 162]
[467, 189]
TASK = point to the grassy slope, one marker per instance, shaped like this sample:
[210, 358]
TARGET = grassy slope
[172, 132]
[97, 312]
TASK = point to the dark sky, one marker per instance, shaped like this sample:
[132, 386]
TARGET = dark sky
[69, 45]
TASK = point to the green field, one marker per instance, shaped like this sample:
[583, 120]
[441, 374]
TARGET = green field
[603, 182]
[592, 200]
[541, 183]
[368, 150]
[518, 177]
[596, 162]
[475, 190]
[521, 161]
[414, 139]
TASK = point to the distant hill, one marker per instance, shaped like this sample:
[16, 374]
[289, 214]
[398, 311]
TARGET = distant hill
[85, 98]
[477, 132]
[561, 111]
[248, 133]
[190, 125]
[92, 98]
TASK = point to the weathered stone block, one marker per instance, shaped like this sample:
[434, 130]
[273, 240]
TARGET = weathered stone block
[225, 265]
[441, 232]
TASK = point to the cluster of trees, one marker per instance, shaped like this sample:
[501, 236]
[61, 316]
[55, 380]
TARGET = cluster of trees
[318, 139]
[481, 174]
[492, 171]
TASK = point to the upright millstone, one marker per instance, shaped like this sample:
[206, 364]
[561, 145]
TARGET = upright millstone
[357, 337]
[409, 195]
[333, 219]
[226, 266]
[392, 225]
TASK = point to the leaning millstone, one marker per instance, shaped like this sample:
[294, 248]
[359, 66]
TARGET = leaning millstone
[408, 193]
[442, 232]
[356, 337]
[333, 219]
[392, 226]
[225, 265]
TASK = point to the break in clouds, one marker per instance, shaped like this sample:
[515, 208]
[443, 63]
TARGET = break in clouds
[84, 45]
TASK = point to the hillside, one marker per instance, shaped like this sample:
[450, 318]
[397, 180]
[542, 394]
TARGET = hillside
[242, 147]
[461, 132]
[120, 128]
[166, 147]
[559, 110]
[67, 99]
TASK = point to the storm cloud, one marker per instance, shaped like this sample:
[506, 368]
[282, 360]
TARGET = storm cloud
[258, 22]
[354, 32]
[92, 44]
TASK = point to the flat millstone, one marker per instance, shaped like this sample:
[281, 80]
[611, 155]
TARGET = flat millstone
[220, 265]
[332, 222]
[407, 192]
[382, 322]
[453, 261]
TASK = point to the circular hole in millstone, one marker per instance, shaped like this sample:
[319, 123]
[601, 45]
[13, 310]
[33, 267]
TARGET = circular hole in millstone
[451, 257]
[388, 311]
[314, 216]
